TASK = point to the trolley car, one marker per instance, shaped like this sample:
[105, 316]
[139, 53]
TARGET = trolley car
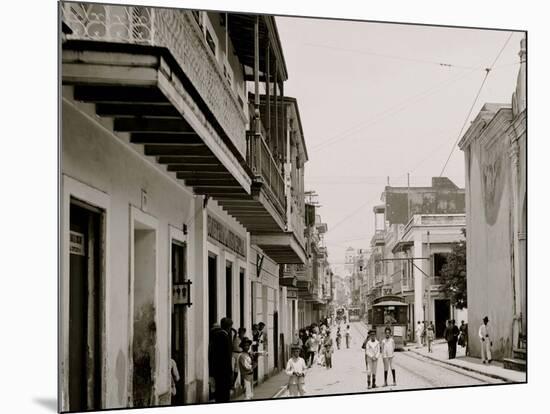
[390, 311]
[354, 313]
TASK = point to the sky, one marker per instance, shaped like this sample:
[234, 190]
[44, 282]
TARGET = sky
[380, 100]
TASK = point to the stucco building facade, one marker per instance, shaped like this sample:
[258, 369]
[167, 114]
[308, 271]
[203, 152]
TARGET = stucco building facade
[496, 203]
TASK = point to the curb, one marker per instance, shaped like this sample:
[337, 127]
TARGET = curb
[477, 371]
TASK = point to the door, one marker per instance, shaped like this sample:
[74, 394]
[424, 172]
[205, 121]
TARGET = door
[85, 264]
[276, 339]
[241, 298]
[442, 315]
[229, 290]
[178, 320]
[212, 291]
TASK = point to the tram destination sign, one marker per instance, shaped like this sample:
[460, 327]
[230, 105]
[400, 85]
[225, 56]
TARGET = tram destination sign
[219, 232]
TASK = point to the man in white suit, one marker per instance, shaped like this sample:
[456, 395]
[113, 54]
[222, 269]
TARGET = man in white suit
[486, 341]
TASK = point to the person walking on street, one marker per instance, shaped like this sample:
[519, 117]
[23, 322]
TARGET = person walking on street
[296, 370]
[486, 341]
[328, 350]
[246, 368]
[388, 348]
[430, 335]
[372, 350]
[237, 340]
[311, 345]
[348, 336]
[338, 338]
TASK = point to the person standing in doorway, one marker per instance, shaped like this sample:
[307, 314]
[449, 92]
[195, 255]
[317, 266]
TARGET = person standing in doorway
[372, 350]
[348, 336]
[237, 340]
[430, 335]
[486, 341]
[296, 370]
[388, 348]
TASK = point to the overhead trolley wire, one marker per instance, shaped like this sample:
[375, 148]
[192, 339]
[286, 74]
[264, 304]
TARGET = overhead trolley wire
[487, 72]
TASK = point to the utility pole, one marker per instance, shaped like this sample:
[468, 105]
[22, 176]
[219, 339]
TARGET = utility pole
[429, 278]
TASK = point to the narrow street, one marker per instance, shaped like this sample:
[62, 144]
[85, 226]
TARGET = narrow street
[348, 374]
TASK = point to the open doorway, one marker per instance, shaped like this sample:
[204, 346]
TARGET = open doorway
[178, 264]
[85, 306]
[442, 310]
[144, 322]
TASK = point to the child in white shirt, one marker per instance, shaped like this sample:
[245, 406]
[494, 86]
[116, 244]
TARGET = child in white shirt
[372, 351]
[296, 370]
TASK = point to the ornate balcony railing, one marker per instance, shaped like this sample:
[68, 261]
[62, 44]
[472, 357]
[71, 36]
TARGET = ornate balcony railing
[176, 30]
[260, 159]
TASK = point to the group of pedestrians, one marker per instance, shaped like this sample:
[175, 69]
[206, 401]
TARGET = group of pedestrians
[316, 345]
[233, 357]
[375, 349]
[425, 334]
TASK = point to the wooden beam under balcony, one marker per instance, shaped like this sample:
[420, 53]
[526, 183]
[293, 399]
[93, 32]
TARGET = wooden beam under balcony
[171, 150]
[178, 160]
[119, 94]
[214, 192]
[131, 109]
[165, 139]
[184, 175]
[153, 125]
[213, 183]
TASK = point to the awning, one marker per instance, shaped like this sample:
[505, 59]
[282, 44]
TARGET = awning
[390, 303]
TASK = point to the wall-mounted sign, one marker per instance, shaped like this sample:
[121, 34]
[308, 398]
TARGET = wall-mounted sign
[222, 234]
[292, 294]
[181, 293]
[76, 245]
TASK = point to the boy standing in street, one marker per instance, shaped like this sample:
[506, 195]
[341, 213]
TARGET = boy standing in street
[372, 351]
[388, 348]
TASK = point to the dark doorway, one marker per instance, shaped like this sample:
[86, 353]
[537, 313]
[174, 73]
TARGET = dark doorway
[85, 265]
[212, 291]
[241, 298]
[442, 315]
[178, 321]
[229, 290]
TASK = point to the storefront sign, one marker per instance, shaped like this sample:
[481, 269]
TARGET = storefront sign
[222, 234]
[292, 294]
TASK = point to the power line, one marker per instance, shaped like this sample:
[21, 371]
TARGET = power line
[487, 71]
[393, 110]
[395, 57]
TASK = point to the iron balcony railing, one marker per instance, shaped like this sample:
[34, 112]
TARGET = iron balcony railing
[264, 167]
[175, 30]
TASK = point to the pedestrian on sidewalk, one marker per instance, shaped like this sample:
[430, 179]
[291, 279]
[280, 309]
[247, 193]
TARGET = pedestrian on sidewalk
[237, 340]
[246, 368]
[388, 348]
[348, 336]
[430, 335]
[451, 336]
[372, 350]
[338, 338]
[311, 345]
[486, 341]
[221, 349]
[463, 338]
[419, 329]
[296, 370]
